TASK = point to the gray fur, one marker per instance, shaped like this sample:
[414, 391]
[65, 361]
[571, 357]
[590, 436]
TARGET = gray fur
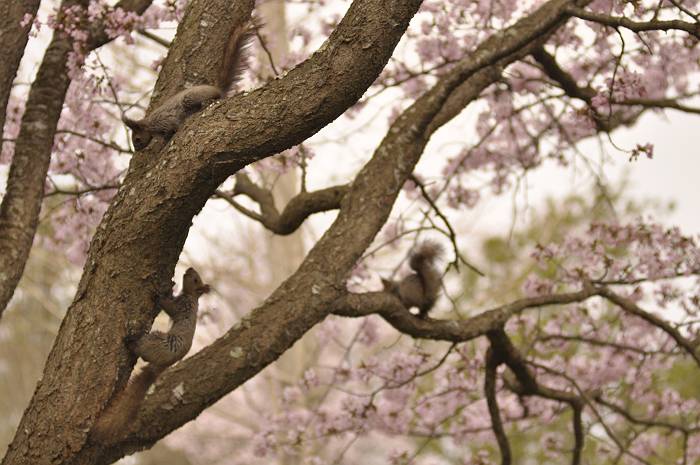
[419, 289]
[162, 348]
[165, 120]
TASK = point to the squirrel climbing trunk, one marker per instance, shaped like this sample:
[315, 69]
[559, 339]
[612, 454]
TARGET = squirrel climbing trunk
[159, 349]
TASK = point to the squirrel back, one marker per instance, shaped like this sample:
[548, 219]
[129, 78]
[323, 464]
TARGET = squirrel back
[167, 118]
[420, 289]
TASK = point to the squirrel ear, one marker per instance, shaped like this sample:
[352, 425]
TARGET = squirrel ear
[133, 124]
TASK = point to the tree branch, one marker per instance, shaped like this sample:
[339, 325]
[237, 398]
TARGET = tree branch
[651, 423]
[528, 386]
[19, 210]
[636, 26]
[492, 362]
[13, 38]
[552, 69]
[659, 103]
[390, 308]
[630, 307]
[297, 210]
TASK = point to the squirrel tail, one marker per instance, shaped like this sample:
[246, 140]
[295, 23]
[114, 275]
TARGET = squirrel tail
[236, 56]
[425, 255]
[114, 420]
[423, 261]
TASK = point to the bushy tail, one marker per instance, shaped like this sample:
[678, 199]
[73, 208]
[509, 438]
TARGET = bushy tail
[113, 422]
[236, 56]
[425, 254]
[423, 261]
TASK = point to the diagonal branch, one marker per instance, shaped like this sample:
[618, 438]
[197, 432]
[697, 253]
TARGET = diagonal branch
[295, 212]
[222, 142]
[552, 69]
[636, 26]
[13, 38]
[566, 81]
[631, 307]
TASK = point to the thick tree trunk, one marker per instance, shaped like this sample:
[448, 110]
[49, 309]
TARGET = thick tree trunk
[137, 245]
[20, 207]
[13, 38]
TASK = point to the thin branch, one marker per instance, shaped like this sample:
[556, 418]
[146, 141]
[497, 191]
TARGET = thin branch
[294, 214]
[452, 235]
[111, 144]
[79, 192]
[155, 38]
[631, 307]
[601, 343]
[646, 422]
[659, 103]
[577, 421]
[492, 362]
[636, 26]
[263, 44]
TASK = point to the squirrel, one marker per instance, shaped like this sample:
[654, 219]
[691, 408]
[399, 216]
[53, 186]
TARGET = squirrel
[160, 350]
[165, 120]
[419, 289]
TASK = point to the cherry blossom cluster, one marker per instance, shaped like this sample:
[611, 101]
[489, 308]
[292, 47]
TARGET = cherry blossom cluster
[621, 254]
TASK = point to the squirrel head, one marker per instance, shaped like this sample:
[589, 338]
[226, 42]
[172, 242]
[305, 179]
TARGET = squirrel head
[140, 137]
[192, 284]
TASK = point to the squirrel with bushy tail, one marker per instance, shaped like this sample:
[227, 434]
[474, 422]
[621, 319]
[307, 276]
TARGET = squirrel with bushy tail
[160, 350]
[165, 120]
[421, 288]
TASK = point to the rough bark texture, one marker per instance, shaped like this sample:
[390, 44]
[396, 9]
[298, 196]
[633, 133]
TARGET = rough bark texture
[136, 247]
[19, 211]
[309, 295]
[13, 38]
[139, 240]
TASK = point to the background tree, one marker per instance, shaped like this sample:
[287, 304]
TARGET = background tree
[609, 375]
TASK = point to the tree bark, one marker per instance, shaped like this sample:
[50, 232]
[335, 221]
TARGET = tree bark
[13, 38]
[20, 207]
[136, 247]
